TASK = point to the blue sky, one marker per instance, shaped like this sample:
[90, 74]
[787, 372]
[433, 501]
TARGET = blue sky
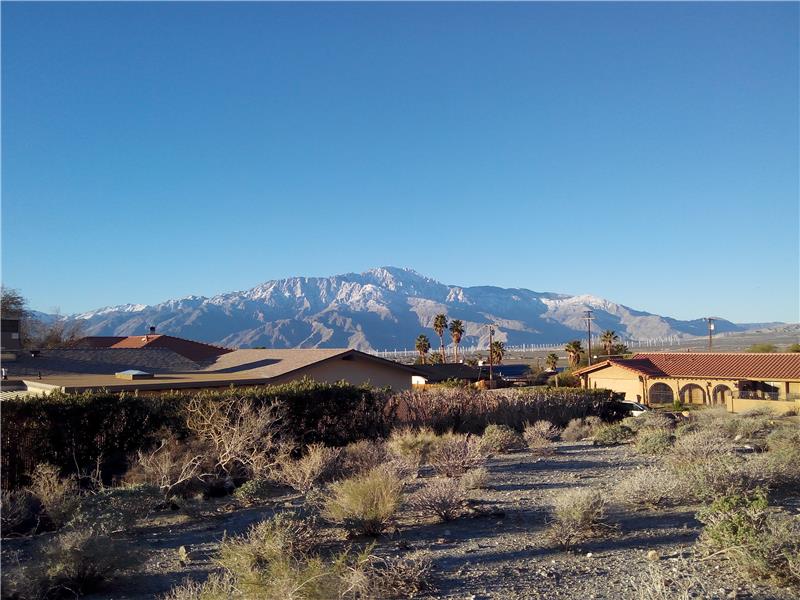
[641, 152]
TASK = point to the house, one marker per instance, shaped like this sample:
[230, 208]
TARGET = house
[431, 374]
[83, 369]
[196, 351]
[739, 381]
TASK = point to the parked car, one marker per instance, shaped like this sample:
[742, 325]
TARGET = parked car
[634, 408]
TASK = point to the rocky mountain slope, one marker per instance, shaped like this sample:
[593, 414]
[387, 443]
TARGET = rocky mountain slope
[383, 308]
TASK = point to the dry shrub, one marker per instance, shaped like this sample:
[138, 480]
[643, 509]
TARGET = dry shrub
[500, 438]
[580, 429]
[59, 496]
[398, 577]
[365, 503]
[779, 467]
[649, 420]
[413, 446]
[218, 586]
[455, 454]
[18, 513]
[611, 434]
[242, 438]
[540, 436]
[317, 465]
[707, 478]
[652, 487]
[285, 534]
[578, 514]
[171, 466]
[441, 497]
[115, 509]
[79, 561]
[255, 491]
[759, 542]
[653, 441]
[680, 583]
[361, 457]
[475, 479]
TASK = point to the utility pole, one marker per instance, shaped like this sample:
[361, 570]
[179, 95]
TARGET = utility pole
[491, 357]
[710, 331]
[587, 314]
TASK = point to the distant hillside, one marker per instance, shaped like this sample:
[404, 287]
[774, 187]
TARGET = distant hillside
[380, 309]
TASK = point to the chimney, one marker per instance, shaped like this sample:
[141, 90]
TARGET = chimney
[152, 330]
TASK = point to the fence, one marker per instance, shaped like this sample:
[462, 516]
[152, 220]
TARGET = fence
[633, 344]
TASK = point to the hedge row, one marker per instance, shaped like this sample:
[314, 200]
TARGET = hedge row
[74, 431]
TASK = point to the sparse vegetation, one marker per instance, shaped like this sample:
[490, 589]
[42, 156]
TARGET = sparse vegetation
[540, 436]
[456, 454]
[500, 438]
[441, 497]
[653, 441]
[59, 496]
[317, 465]
[475, 479]
[580, 429]
[364, 504]
[651, 487]
[578, 514]
[612, 433]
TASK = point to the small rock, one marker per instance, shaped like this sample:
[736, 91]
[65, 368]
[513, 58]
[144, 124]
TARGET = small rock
[652, 555]
[589, 555]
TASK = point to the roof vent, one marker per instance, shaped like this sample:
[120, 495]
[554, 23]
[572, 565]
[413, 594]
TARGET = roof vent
[152, 330]
[132, 374]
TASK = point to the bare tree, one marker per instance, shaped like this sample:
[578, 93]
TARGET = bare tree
[242, 438]
[168, 467]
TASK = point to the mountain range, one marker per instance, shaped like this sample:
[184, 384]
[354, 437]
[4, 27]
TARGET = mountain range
[383, 308]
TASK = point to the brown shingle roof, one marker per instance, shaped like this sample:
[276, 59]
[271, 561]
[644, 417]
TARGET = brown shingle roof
[196, 351]
[728, 365]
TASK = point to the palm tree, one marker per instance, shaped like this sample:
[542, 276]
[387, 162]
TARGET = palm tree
[440, 326]
[608, 339]
[574, 350]
[423, 344]
[456, 331]
[551, 361]
[497, 350]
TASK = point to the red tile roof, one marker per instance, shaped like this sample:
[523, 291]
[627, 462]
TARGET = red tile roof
[726, 365]
[196, 351]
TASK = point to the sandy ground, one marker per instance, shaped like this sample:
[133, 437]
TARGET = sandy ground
[498, 550]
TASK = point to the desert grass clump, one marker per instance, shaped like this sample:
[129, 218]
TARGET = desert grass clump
[455, 454]
[653, 441]
[361, 457]
[317, 465]
[59, 497]
[364, 504]
[578, 514]
[651, 487]
[580, 429]
[759, 542]
[285, 534]
[500, 438]
[443, 498]
[412, 445]
[612, 434]
[540, 436]
[475, 479]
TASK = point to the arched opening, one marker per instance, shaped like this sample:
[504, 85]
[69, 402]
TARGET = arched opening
[660, 393]
[693, 394]
[721, 394]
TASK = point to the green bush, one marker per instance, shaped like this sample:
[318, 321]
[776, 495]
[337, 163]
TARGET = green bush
[759, 542]
[366, 503]
[255, 491]
[653, 441]
[500, 438]
[611, 434]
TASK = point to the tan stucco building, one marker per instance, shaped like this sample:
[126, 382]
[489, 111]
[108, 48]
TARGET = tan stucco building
[233, 368]
[737, 380]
